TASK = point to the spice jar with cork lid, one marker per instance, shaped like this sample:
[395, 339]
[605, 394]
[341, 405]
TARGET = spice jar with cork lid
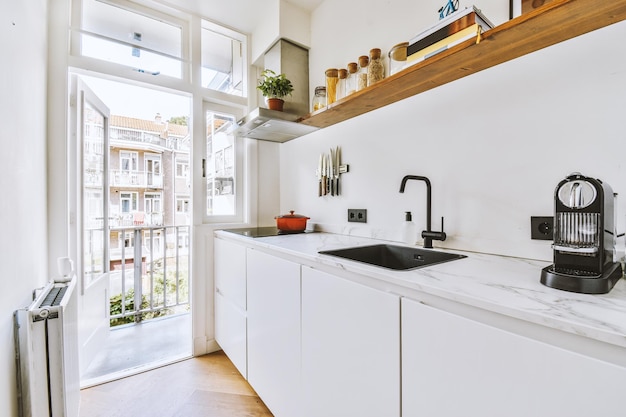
[341, 83]
[351, 80]
[397, 57]
[319, 99]
[361, 75]
[375, 69]
[332, 77]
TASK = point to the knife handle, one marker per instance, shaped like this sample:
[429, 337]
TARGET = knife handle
[319, 188]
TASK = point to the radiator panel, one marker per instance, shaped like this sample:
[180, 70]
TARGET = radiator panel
[47, 353]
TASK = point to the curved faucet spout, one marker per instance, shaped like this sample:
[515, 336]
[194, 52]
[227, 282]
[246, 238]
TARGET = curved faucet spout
[427, 234]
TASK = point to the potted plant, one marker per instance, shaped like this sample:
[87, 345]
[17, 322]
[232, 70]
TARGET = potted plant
[274, 87]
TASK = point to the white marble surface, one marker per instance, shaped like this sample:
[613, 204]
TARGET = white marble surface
[505, 285]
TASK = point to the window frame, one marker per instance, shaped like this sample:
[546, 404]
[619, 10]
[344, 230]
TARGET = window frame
[134, 198]
[240, 161]
[133, 156]
[183, 24]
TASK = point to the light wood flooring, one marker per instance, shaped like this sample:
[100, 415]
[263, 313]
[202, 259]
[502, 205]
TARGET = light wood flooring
[207, 386]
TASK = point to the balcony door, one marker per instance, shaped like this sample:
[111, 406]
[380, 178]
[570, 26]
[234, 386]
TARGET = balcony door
[90, 128]
[134, 260]
[153, 171]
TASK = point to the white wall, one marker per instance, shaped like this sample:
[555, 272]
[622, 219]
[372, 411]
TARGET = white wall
[494, 144]
[23, 248]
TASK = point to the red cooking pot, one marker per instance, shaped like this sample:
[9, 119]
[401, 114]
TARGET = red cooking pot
[291, 222]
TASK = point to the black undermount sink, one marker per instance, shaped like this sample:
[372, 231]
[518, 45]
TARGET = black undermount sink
[394, 256]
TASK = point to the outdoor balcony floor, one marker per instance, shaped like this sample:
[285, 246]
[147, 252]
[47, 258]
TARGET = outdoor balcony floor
[135, 348]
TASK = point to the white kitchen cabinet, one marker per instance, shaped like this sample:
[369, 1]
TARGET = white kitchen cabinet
[230, 302]
[274, 332]
[350, 348]
[453, 366]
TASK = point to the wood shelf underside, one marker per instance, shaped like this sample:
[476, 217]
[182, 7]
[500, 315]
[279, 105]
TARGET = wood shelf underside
[555, 22]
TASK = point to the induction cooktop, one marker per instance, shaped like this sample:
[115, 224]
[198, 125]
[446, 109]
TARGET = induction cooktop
[264, 231]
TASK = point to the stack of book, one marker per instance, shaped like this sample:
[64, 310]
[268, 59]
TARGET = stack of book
[449, 31]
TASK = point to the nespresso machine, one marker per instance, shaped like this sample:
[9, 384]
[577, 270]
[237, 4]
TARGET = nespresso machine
[584, 237]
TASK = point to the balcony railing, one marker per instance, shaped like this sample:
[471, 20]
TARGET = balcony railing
[136, 179]
[150, 277]
[138, 218]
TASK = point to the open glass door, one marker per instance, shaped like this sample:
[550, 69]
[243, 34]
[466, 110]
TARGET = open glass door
[90, 196]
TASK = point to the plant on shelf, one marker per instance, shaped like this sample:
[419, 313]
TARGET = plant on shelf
[274, 87]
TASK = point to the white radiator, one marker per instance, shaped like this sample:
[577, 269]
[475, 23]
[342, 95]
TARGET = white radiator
[46, 342]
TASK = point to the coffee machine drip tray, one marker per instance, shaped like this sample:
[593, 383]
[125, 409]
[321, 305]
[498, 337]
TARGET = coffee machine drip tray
[586, 284]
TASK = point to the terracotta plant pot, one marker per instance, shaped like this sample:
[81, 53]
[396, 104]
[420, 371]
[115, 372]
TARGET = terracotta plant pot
[291, 222]
[275, 104]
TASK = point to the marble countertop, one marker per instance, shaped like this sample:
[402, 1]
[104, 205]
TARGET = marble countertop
[506, 285]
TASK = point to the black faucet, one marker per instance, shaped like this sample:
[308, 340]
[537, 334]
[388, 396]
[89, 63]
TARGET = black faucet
[427, 234]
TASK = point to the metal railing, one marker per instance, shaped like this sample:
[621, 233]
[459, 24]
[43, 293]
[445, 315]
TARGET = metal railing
[129, 220]
[150, 276]
[139, 179]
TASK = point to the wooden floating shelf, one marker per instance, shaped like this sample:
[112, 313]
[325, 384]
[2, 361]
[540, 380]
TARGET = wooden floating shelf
[550, 24]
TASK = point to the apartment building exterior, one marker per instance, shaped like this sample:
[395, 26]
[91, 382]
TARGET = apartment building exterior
[148, 184]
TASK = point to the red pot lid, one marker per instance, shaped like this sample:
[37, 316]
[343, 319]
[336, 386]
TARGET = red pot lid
[291, 216]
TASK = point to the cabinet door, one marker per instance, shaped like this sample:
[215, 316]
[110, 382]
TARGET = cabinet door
[274, 332]
[230, 302]
[230, 332]
[230, 271]
[350, 348]
[453, 366]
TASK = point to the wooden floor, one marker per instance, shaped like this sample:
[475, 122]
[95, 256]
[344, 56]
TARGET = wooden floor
[207, 386]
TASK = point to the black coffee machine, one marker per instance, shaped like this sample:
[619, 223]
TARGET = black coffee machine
[584, 237]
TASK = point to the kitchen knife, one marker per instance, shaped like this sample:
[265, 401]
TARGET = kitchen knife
[324, 164]
[337, 165]
[319, 175]
[331, 171]
[328, 174]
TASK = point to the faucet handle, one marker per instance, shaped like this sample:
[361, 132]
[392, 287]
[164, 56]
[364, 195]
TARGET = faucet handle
[435, 235]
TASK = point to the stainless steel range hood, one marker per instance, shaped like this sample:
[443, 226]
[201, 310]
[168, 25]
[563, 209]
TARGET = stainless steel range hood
[272, 125]
[276, 126]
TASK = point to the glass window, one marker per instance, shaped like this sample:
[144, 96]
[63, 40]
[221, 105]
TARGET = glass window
[94, 191]
[152, 203]
[129, 161]
[223, 60]
[182, 169]
[223, 190]
[128, 202]
[153, 171]
[149, 44]
[182, 205]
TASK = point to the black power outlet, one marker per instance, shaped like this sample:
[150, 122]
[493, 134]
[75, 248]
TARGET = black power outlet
[542, 228]
[357, 215]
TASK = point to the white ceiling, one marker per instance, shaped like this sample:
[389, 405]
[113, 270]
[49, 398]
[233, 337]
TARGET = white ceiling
[241, 15]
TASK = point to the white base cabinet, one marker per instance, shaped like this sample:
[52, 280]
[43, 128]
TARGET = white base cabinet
[453, 366]
[314, 344]
[350, 348]
[230, 302]
[274, 332]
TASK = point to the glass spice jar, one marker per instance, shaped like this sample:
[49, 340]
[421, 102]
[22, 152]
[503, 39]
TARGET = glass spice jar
[319, 99]
[341, 83]
[351, 80]
[361, 75]
[397, 57]
[375, 69]
[332, 77]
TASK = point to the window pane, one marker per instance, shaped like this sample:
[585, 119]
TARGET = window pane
[128, 38]
[221, 172]
[222, 63]
[93, 192]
